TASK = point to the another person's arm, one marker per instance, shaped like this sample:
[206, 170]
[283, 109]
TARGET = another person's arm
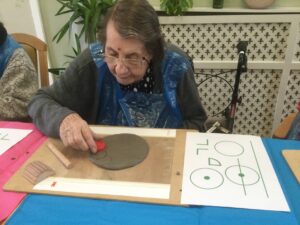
[18, 84]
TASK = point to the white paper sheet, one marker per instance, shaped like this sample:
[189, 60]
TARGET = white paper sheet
[230, 171]
[10, 136]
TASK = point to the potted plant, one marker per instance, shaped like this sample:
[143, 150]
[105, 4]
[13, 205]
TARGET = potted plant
[87, 15]
[84, 13]
[175, 7]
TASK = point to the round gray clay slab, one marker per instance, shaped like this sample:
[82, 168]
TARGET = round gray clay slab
[121, 151]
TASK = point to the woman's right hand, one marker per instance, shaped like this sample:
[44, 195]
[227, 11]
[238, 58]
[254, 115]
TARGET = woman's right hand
[76, 133]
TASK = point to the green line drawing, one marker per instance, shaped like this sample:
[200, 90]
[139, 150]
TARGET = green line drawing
[241, 175]
[201, 148]
[206, 143]
[259, 169]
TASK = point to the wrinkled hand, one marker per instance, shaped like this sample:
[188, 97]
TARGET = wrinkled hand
[75, 132]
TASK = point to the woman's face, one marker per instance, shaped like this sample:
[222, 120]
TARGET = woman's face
[127, 59]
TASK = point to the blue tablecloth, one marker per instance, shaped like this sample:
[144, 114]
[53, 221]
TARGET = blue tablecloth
[45, 209]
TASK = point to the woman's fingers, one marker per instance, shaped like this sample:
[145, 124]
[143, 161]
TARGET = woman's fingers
[89, 140]
[75, 133]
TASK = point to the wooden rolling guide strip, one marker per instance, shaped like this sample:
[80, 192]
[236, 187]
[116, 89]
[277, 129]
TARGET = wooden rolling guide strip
[59, 156]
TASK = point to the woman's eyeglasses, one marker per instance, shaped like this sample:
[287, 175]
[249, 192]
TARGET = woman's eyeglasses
[129, 63]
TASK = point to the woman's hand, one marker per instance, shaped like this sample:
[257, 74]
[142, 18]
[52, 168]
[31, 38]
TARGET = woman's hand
[76, 133]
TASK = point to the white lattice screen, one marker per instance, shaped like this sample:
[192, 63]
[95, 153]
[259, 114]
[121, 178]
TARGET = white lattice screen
[269, 90]
[292, 91]
[218, 41]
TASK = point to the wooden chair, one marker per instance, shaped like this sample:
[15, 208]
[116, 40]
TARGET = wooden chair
[37, 50]
[284, 127]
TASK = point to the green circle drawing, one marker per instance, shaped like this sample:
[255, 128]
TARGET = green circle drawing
[225, 150]
[242, 176]
[206, 178]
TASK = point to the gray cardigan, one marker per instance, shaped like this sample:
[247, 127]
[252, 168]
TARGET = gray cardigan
[75, 91]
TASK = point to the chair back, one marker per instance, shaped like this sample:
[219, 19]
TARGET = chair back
[37, 51]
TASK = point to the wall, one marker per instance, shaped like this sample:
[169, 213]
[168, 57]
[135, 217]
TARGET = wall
[16, 16]
[52, 24]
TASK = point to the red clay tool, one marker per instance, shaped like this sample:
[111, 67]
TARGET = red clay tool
[100, 145]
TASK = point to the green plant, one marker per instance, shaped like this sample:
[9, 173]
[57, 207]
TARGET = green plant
[85, 13]
[175, 7]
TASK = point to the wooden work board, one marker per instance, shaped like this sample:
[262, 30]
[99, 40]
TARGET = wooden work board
[163, 165]
[293, 159]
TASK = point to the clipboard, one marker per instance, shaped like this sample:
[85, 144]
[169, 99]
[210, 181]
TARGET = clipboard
[293, 159]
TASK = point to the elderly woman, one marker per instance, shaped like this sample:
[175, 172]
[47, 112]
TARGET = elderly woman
[129, 78]
[18, 79]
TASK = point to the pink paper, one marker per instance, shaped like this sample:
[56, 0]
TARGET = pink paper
[12, 160]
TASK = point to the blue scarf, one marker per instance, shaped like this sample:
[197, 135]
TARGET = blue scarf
[6, 51]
